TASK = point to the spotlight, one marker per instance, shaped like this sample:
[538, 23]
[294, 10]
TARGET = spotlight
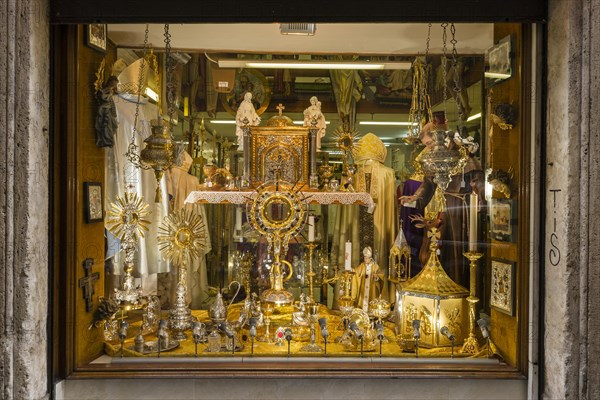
[356, 330]
[484, 327]
[446, 332]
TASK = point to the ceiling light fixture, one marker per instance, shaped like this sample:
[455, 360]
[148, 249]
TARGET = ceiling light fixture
[496, 75]
[302, 122]
[388, 123]
[474, 117]
[292, 64]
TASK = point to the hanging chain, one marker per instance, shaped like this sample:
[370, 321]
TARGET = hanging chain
[425, 99]
[420, 103]
[132, 153]
[444, 63]
[428, 40]
[457, 86]
[170, 67]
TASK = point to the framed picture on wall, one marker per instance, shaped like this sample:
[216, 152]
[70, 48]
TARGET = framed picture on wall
[503, 286]
[96, 36]
[502, 219]
[92, 202]
[498, 62]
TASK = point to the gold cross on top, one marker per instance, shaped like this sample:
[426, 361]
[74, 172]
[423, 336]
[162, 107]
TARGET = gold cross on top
[280, 108]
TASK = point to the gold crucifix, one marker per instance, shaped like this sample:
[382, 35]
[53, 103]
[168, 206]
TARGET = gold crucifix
[280, 108]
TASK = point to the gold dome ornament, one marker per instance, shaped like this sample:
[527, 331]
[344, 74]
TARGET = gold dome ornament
[280, 119]
[182, 240]
[127, 219]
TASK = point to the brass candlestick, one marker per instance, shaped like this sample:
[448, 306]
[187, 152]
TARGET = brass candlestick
[311, 273]
[471, 346]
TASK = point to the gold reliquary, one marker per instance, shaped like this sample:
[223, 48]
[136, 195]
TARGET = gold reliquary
[437, 301]
[280, 146]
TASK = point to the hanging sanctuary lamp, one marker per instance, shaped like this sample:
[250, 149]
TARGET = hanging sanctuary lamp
[158, 152]
[445, 157]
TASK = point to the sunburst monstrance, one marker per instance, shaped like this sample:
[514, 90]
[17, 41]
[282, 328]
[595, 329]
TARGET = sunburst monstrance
[181, 237]
[128, 215]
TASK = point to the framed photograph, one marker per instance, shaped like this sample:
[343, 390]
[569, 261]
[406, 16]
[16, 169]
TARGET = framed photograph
[92, 202]
[503, 286]
[96, 36]
[498, 62]
[502, 219]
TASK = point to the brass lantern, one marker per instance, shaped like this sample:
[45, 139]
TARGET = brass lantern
[436, 300]
[158, 153]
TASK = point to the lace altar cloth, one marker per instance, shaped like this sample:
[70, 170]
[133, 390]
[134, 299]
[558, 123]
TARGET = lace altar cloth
[242, 197]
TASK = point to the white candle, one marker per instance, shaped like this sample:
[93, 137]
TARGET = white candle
[348, 256]
[473, 203]
[311, 228]
[238, 218]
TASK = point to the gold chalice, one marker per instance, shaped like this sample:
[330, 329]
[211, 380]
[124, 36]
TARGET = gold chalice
[267, 309]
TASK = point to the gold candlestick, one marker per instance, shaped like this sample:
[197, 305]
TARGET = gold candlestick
[311, 273]
[471, 346]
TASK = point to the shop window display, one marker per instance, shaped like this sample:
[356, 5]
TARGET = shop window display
[300, 231]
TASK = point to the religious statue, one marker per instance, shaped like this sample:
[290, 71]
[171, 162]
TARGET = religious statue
[106, 119]
[246, 116]
[313, 113]
[367, 282]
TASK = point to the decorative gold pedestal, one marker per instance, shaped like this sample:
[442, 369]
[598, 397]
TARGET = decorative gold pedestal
[471, 346]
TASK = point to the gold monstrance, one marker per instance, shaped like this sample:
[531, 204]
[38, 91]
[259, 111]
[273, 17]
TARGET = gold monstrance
[127, 220]
[278, 211]
[181, 239]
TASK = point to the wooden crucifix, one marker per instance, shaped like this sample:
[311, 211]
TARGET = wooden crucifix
[87, 283]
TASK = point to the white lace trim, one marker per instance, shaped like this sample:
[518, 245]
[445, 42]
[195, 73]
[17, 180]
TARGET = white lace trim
[224, 197]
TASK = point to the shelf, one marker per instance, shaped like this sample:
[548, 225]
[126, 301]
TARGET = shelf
[242, 197]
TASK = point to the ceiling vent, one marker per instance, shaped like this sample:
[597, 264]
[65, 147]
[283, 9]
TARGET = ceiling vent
[304, 29]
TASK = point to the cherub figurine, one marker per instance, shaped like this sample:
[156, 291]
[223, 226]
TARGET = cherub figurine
[501, 181]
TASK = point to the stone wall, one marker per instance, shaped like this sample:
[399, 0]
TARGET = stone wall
[572, 259]
[24, 104]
